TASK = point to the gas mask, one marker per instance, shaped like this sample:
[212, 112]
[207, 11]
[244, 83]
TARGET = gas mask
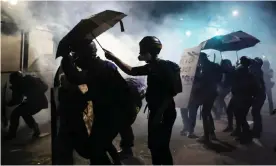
[144, 57]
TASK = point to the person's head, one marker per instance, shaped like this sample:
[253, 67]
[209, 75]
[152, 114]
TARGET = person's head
[16, 77]
[84, 53]
[258, 62]
[203, 58]
[150, 47]
[245, 61]
[226, 64]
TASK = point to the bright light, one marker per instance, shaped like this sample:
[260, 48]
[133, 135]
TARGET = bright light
[181, 19]
[263, 56]
[188, 33]
[11, 2]
[235, 13]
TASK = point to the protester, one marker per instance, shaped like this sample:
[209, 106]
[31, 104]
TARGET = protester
[33, 89]
[258, 101]
[269, 84]
[112, 102]
[244, 90]
[164, 83]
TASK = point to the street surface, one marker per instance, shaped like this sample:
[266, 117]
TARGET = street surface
[185, 151]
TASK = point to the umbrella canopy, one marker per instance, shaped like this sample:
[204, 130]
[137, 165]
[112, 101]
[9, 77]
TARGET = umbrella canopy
[92, 27]
[234, 41]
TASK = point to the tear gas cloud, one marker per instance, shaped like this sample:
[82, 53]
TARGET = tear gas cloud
[202, 20]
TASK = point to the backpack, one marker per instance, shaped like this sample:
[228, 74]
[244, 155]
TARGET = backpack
[173, 78]
[39, 85]
[137, 88]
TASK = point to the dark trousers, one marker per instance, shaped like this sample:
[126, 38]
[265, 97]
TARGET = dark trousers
[127, 138]
[256, 114]
[208, 121]
[26, 111]
[221, 105]
[242, 106]
[159, 135]
[270, 100]
[230, 112]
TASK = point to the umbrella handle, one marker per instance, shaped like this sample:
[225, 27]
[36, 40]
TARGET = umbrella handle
[98, 43]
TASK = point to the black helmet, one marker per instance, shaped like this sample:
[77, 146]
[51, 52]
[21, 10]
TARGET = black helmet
[15, 76]
[85, 47]
[259, 61]
[245, 61]
[226, 62]
[150, 44]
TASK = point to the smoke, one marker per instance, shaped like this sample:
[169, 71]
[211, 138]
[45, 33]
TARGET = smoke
[202, 19]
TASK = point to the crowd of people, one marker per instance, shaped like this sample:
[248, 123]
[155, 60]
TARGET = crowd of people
[116, 102]
[248, 83]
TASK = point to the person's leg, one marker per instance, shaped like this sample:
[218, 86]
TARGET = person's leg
[270, 100]
[114, 155]
[14, 121]
[127, 141]
[257, 118]
[230, 114]
[159, 138]
[193, 107]
[185, 120]
[167, 130]
[208, 123]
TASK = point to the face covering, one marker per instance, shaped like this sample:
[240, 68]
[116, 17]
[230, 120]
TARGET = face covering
[144, 57]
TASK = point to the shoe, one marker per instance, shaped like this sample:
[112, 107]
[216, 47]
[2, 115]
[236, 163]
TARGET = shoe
[204, 139]
[213, 136]
[191, 135]
[228, 129]
[184, 132]
[125, 153]
[36, 131]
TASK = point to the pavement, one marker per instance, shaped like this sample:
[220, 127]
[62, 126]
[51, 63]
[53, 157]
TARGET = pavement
[185, 151]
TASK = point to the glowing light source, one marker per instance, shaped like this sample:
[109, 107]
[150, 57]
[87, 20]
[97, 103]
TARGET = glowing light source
[11, 2]
[235, 13]
[181, 19]
[188, 33]
[263, 56]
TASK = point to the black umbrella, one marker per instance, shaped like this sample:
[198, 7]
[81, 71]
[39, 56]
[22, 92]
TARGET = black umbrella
[90, 28]
[234, 41]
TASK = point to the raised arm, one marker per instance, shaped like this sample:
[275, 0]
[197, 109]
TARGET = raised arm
[133, 71]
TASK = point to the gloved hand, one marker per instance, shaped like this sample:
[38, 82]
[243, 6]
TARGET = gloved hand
[109, 55]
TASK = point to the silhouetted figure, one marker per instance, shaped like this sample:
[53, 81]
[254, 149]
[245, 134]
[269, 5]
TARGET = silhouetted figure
[29, 92]
[269, 84]
[113, 105]
[164, 83]
[244, 90]
[258, 101]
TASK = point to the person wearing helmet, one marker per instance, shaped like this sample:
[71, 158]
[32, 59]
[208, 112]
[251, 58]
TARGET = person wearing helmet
[244, 89]
[113, 105]
[258, 102]
[164, 83]
[269, 84]
[28, 92]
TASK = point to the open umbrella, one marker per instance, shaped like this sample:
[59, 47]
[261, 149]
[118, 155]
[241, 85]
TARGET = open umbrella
[90, 28]
[234, 41]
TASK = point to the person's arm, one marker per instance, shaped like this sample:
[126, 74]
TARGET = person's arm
[133, 71]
